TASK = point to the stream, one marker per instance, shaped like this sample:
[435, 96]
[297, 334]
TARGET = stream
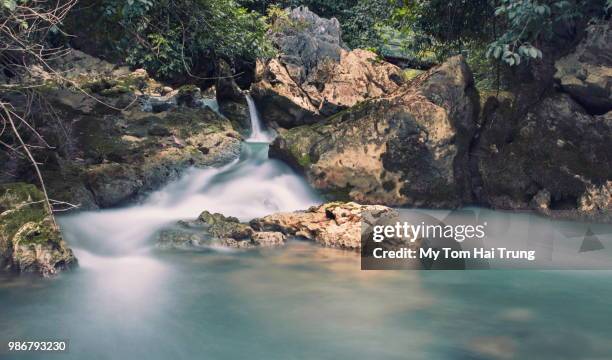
[128, 300]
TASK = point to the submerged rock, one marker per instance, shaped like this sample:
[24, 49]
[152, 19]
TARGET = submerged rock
[315, 76]
[409, 148]
[29, 239]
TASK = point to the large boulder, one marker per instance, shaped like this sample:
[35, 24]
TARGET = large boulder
[586, 73]
[29, 239]
[406, 149]
[555, 159]
[314, 75]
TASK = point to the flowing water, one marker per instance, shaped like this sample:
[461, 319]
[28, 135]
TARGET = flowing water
[129, 301]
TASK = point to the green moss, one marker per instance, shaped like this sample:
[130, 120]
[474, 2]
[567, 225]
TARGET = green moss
[41, 232]
[13, 194]
[20, 204]
[409, 74]
[304, 160]
[338, 194]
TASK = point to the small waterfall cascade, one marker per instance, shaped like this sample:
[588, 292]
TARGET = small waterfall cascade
[258, 134]
[251, 186]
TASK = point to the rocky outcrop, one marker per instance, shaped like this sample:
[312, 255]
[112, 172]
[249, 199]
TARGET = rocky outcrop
[338, 225]
[210, 230]
[586, 73]
[409, 148]
[123, 138]
[335, 224]
[315, 76]
[29, 240]
[555, 159]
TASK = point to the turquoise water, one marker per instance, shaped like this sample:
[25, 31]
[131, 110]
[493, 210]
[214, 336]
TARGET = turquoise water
[305, 302]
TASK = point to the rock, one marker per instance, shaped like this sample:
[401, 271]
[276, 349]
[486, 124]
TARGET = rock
[226, 88]
[596, 202]
[333, 224]
[541, 201]
[29, 239]
[104, 158]
[406, 149]
[556, 157]
[269, 238]
[586, 73]
[215, 230]
[188, 95]
[231, 100]
[315, 76]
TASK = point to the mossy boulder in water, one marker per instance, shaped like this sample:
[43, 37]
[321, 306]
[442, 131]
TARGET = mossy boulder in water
[214, 229]
[29, 239]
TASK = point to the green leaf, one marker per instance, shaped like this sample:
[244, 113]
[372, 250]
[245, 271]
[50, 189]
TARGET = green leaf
[9, 4]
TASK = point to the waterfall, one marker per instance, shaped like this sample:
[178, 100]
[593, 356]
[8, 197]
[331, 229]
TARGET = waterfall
[251, 186]
[258, 134]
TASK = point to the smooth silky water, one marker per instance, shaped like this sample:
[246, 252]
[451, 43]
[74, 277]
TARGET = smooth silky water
[130, 301]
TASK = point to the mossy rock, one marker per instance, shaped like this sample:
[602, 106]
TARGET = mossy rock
[29, 238]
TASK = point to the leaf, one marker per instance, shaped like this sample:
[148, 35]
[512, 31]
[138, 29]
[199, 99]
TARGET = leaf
[9, 4]
[533, 52]
[497, 52]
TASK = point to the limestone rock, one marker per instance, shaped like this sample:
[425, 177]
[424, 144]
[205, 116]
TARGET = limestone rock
[586, 73]
[29, 240]
[215, 230]
[315, 76]
[556, 157]
[231, 100]
[333, 224]
[408, 148]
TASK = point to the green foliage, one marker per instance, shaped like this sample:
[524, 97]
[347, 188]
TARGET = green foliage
[442, 27]
[363, 25]
[9, 5]
[512, 31]
[279, 21]
[526, 23]
[171, 38]
[362, 21]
